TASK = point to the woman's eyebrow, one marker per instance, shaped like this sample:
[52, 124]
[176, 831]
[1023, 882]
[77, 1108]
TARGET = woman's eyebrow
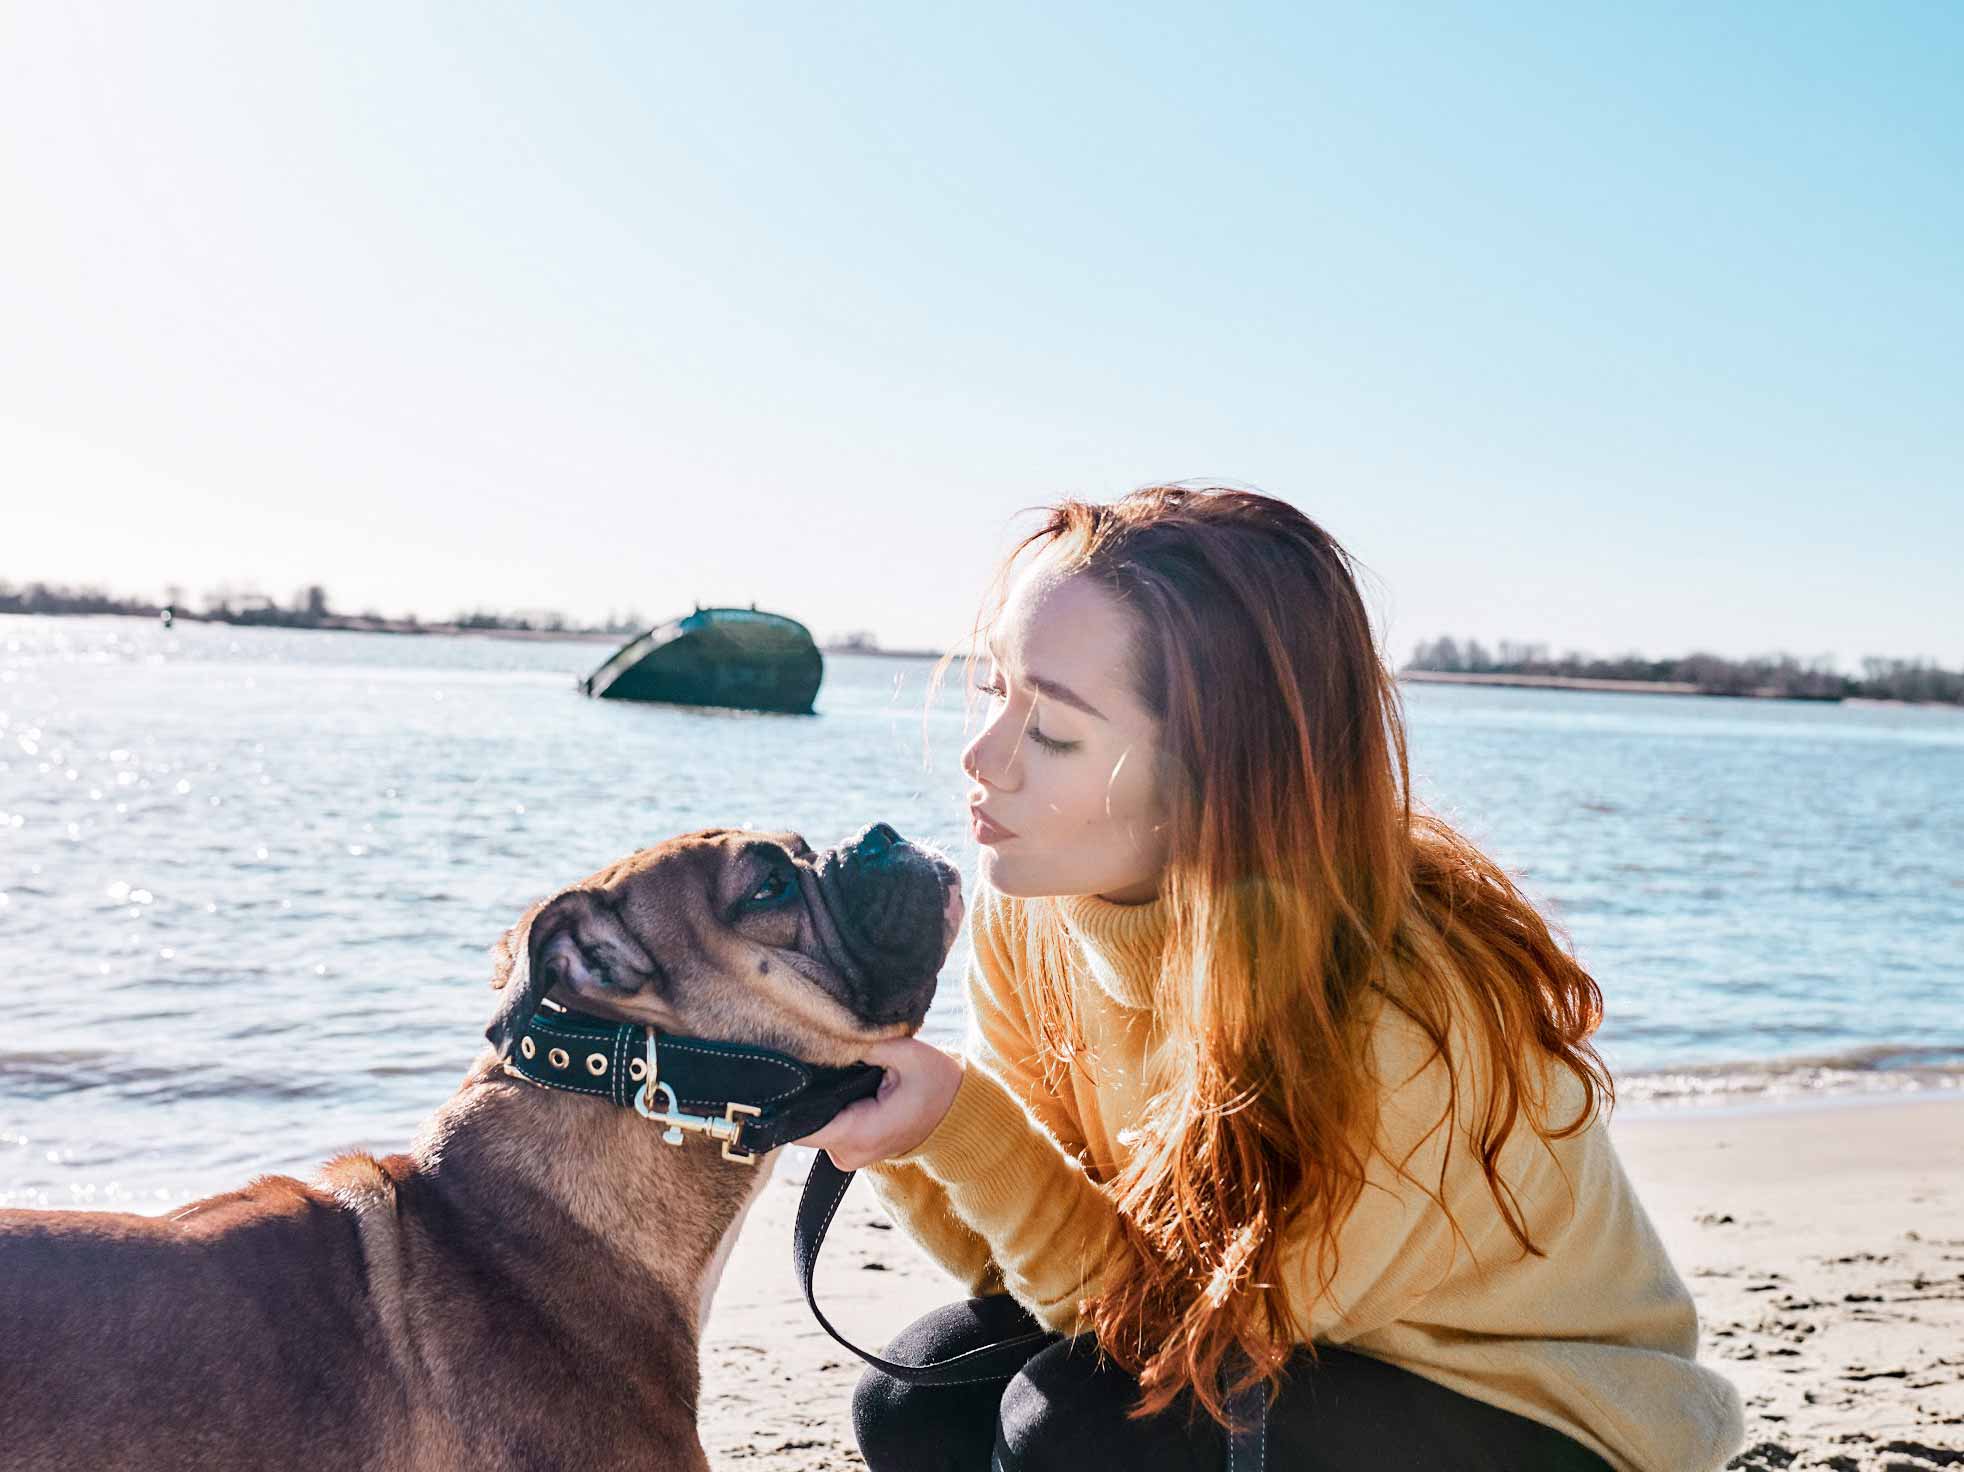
[1055, 689]
[1066, 694]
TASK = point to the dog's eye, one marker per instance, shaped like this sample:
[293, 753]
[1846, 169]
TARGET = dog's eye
[776, 887]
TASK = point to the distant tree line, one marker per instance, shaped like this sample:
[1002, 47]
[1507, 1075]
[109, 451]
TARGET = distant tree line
[309, 608]
[1784, 675]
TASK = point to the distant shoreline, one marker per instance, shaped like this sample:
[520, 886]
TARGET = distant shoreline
[351, 623]
[348, 623]
[1564, 682]
[880, 653]
[1650, 687]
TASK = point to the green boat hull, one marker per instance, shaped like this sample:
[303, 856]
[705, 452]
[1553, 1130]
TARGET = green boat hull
[732, 657]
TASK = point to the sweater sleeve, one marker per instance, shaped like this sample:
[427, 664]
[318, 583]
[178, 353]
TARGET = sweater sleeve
[1001, 1175]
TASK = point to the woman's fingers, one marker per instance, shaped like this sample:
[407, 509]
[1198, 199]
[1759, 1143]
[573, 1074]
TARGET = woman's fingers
[838, 1129]
[916, 1086]
[895, 1052]
[857, 1135]
[845, 1136]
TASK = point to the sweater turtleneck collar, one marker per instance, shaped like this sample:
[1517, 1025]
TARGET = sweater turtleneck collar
[1122, 944]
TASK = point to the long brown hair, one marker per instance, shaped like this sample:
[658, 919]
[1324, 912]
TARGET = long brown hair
[1300, 879]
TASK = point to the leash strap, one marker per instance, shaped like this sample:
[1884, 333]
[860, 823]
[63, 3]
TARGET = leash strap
[825, 1188]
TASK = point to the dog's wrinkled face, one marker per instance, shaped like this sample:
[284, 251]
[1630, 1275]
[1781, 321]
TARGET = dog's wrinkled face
[745, 937]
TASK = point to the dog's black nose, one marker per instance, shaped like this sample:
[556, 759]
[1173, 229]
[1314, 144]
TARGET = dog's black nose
[874, 842]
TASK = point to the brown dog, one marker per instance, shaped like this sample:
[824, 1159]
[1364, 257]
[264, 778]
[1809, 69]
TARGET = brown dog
[525, 1287]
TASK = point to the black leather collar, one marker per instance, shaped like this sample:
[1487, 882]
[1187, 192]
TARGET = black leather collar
[752, 1099]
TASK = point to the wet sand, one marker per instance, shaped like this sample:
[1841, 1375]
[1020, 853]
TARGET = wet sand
[1825, 1247]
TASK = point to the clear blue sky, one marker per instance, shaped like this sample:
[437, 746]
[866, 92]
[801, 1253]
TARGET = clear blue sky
[1619, 327]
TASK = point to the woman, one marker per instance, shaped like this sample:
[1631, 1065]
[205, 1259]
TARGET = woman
[1267, 1075]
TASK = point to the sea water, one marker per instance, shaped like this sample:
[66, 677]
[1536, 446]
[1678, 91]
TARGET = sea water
[249, 878]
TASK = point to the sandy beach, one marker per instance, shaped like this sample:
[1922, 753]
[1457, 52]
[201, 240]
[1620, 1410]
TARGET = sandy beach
[1824, 1245]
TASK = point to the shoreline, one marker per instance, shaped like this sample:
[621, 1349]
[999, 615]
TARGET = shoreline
[1756, 1106]
[1569, 682]
[1657, 687]
[1863, 1071]
[344, 623]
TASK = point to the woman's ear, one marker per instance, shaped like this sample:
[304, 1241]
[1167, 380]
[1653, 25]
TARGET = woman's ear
[573, 943]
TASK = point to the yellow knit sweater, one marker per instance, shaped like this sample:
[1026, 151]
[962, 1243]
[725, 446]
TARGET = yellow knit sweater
[1597, 1337]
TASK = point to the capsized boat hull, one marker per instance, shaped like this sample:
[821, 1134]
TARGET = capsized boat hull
[735, 657]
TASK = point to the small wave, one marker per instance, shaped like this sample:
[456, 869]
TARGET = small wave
[1879, 1068]
[142, 1079]
[13, 1061]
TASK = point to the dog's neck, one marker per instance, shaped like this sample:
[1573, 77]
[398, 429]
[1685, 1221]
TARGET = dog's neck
[667, 1212]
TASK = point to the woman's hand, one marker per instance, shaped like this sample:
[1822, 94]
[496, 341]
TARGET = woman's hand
[914, 1096]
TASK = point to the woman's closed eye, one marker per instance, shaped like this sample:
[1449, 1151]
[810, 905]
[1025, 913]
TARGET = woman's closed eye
[995, 689]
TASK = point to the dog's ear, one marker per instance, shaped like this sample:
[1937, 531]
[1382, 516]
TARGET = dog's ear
[573, 942]
[523, 987]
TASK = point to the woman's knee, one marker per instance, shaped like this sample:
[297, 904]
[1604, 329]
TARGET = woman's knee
[892, 1421]
[1068, 1410]
[929, 1428]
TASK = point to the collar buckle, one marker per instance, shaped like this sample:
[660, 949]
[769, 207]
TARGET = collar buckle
[730, 1112]
[728, 1129]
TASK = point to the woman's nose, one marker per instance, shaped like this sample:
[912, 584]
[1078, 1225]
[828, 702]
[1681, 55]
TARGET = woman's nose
[984, 765]
[968, 760]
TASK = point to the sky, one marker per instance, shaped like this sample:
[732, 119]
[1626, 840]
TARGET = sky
[1615, 328]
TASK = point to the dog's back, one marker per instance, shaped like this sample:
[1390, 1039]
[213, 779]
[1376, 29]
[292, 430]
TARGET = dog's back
[238, 1333]
[382, 1319]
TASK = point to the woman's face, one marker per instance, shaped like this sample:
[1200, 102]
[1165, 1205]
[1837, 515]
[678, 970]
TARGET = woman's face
[1065, 771]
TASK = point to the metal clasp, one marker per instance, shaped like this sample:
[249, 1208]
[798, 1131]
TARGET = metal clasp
[644, 1101]
[730, 1112]
[728, 1129]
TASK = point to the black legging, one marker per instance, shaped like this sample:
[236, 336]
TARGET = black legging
[1064, 1411]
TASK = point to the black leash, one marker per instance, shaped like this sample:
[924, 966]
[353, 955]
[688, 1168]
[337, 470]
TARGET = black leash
[825, 1188]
